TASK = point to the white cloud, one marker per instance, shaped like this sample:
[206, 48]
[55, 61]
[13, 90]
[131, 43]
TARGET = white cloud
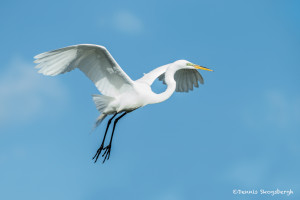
[127, 22]
[24, 92]
[282, 111]
[248, 172]
[170, 194]
[275, 108]
[124, 22]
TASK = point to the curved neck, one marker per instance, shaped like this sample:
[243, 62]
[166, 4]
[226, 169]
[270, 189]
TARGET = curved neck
[171, 86]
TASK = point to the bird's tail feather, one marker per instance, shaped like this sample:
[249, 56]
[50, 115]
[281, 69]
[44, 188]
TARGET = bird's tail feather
[98, 121]
[101, 102]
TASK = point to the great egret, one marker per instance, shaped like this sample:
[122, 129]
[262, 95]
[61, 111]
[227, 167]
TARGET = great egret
[120, 94]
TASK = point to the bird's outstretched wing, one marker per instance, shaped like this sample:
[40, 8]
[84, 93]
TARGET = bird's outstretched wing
[93, 60]
[186, 79]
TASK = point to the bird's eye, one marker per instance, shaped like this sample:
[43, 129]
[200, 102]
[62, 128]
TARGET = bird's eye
[189, 64]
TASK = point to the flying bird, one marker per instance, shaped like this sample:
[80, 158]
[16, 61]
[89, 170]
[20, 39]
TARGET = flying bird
[120, 94]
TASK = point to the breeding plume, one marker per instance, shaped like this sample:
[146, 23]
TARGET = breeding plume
[119, 94]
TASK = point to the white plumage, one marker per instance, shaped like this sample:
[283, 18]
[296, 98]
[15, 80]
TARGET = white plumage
[119, 92]
[93, 60]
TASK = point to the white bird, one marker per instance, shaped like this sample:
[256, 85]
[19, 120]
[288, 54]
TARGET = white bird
[120, 94]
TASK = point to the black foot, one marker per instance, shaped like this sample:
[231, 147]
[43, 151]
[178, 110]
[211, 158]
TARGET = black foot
[96, 156]
[106, 153]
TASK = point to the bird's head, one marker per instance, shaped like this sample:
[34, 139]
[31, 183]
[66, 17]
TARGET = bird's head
[184, 64]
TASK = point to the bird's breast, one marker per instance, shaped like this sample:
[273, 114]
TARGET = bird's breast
[133, 99]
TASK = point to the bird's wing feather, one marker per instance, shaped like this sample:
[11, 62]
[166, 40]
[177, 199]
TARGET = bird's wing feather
[186, 79]
[93, 60]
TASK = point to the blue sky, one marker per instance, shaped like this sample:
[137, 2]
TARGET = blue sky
[240, 130]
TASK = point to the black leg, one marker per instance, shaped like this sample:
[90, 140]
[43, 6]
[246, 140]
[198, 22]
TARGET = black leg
[106, 153]
[102, 144]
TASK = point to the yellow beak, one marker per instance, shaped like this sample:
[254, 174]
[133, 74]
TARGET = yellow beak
[203, 68]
